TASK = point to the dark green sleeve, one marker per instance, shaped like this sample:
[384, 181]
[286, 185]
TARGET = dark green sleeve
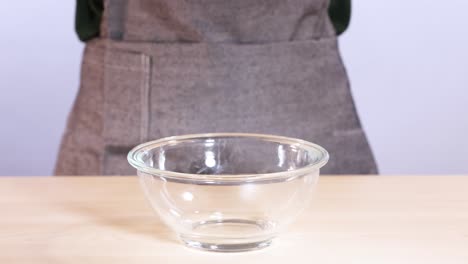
[89, 13]
[88, 18]
[340, 14]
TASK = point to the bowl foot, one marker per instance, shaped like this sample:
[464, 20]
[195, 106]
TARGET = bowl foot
[230, 235]
[226, 247]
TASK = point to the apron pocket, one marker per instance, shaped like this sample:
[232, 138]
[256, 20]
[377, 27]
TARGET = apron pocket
[297, 89]
[126, 103]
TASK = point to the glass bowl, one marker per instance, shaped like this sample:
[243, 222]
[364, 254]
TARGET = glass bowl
[228, 191]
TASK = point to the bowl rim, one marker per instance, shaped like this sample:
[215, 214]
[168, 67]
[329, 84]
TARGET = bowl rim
[322, 159]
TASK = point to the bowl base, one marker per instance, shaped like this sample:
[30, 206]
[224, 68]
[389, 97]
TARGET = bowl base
[226, 247]
[230, 235]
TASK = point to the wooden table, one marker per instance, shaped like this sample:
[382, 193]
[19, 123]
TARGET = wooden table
[353, 219]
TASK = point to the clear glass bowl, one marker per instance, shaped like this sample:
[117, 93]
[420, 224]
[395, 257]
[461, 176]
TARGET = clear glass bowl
[228, 191]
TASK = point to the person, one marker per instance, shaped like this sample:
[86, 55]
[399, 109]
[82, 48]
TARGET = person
[157, 68]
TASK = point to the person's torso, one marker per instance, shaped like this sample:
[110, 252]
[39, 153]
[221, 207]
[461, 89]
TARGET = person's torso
[240, 21]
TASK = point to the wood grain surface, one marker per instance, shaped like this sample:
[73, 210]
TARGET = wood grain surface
[352, 219]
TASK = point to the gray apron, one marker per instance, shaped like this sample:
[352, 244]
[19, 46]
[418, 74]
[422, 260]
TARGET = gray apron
[173, 67]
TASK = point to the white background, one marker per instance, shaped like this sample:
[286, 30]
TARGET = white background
[407, 61]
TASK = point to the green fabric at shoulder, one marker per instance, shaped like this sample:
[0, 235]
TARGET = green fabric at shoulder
[88, 18]
[89, 13]
[340, 14]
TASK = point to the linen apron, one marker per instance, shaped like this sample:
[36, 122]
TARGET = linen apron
[171, 67]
